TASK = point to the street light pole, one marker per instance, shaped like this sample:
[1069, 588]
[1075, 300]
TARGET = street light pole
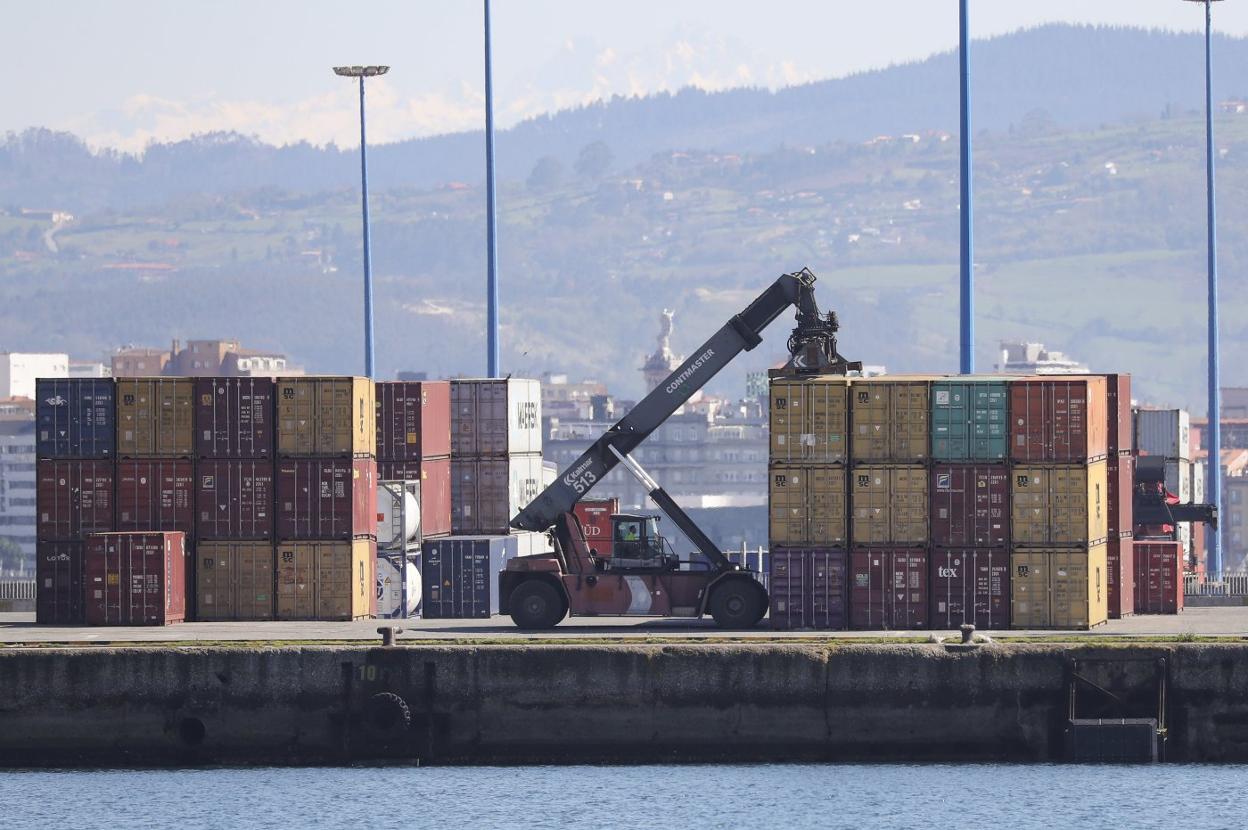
[362, 72]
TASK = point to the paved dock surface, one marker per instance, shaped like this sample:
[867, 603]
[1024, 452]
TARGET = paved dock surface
[17, 628]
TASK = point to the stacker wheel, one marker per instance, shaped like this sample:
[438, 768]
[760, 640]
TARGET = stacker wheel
[535, 604]
[737, 603]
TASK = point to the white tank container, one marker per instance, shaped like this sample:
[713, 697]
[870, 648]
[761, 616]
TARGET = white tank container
[398, 515]
[392, 579]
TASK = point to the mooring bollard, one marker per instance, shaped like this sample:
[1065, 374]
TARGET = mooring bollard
[968, 632]
[389, 633]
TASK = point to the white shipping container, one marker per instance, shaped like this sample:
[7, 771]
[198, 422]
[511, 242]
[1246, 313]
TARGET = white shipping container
[487, 492]
[493, 418]
[1179, 480]
[394, 584]
[550, 472]
[1198, 482]
[1163, 432]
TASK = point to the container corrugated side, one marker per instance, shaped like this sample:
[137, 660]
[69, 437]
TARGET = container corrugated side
[1163, 432]
[889, 420]
[59, 590]
[1058, 419]
[73, 498]
[970, 505]
[76, 418]
[135, 578]
[155, 417]
[1121, 422]
[326, 580]
[1060, 504]
[326, 498]
[155, 495]
[459, 575]
[807, 587]
[234, 499]
[495, 417]
[595, 518]
[1120, 577]
[1158, 577]
[234, 581]
[888, 588]
[970, 585]
[1120, 495]
[888, 505]
[234, 418]
[970, 420]
[413, 420]
[1059, 588]
[806, 505]
[487, 492]
[326, 417]
[809, 420]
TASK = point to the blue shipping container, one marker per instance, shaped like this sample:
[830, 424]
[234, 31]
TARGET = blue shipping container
[970, 420]
[76, 418]
[459, 575]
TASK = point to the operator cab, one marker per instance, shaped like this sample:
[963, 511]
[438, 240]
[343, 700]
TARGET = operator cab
[637, 545]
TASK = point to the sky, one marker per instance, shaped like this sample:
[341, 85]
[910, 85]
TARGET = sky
[123, 73]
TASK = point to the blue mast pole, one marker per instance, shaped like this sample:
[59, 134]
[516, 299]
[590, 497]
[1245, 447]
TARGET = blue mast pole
[1214, 564]
[368, 267]
[491, 291]
[967, 304]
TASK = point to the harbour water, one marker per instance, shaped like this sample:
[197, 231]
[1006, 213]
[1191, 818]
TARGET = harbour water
[1005, 797]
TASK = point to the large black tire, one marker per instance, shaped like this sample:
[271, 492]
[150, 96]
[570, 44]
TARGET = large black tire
[535, 604]
[737, 603]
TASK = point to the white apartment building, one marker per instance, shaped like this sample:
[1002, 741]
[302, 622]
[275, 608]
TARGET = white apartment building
[17, 485]
[18, 371]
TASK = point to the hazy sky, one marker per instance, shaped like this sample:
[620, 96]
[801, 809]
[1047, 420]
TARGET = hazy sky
[123, 72]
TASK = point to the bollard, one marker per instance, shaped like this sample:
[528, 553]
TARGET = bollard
[968, 633]
[389, 633]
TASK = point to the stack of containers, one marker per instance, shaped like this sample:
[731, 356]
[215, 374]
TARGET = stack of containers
[234, 497]
[75, 446]
[1120, 489]
[807, 483]
[326, 517]
[1059, 517]
[1166, 434]
[969, 576]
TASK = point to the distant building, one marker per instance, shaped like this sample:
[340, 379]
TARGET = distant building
[253, 364]
[18, 371]
[89, 369]
[131, 362]
[17, 409]
[201, 358]
[572, 401]
[1035, 359]
[17, 485]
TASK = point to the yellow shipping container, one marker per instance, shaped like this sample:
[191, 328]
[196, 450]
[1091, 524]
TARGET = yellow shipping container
[234, 581]
[327, 417]
[809, 419]
[1063, 589]
[326, 580]
[155, 417]
[806, 504]
[890, 419]
[1060, 504]
[888, 505]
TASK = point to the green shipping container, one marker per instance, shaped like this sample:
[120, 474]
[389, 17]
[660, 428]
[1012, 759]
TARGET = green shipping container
[970, 420]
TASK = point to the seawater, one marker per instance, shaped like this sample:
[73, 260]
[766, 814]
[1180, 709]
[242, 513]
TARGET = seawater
[763, 796]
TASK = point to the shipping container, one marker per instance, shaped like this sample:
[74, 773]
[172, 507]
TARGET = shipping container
[331, 417]
[595, 517]
[970, 505]
[59, 591]
[326, 580]
[1058, 419]
[1120, 577]
[135, 578]
[810, 419]
[1059, 588]
[970, 420]
[434, 476]
[77, 418]
[888, 505]
[492, 418]
[1060, 504]
[326, 498]
[234, 581]
[156, 494]
[155, 417]
[970, 585]
[1121, 422]
[234, 418]
[889, 420]
[234, 499]
[1158, 577]
[1198, 482]
[398, 516]
[888, 589]
[1120, 490]
[1179, 479]
[413, 420]
[459, 574]
[398, 587]
[73, 498]
[1163, 432]
[487, 492]
[806, 505]
[808, 589]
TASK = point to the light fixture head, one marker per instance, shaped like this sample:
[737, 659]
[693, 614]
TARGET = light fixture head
[360, 71]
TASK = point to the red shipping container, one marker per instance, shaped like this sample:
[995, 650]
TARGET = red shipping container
[413, 420]
[234, 417]
[1158, 577]
[434, 476]
[135, 578]
[234, 499]
[74, 498]
[888, 589]
[58, 589]
[970, 585]
[970, 504]
[1120, 580]
[1120, 437]
[595, 516]
[1120, 496]
[808, 588]
[1058, 419]
[155, 495]
[326, 498]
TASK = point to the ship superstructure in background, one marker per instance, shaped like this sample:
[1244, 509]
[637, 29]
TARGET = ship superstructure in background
[1035, 359]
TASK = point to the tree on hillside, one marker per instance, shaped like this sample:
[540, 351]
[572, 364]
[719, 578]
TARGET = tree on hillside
[547, 174]
[594, 160]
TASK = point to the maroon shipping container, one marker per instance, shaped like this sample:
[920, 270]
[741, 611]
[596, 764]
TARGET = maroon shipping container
[74, 498]
[413, 420]
[1120, 579]
[135, 578]
[808, 588]
[970, 585]
[1120, 496]
[1058, 419]
[326, 498]
[234, 417]
[58, 590]
[1158, 576]
[970, 505]
[434, 476]
[1121, 435]
[888, 589]
[234, 499]
[595, 517]
[155, 495]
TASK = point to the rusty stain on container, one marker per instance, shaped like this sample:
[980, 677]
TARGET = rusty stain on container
[1059, 588]
[808, 589]
[413, 420]
[809, 420]
[326, 580]
[135, 578]
[234, 418]
[234, 499]
[1120, 577]
[888, 588]
[1158, 576]
[326, 416]
[970, 504]
[434, 476]
[806, 505]
[73, 498]
[1060, 504]
[890, 420]
[888, 504]
[234, 581]
[970, 585]
[59, 587]
[155, 417]
[326, 498]
[1058, 419]
[155, 495]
